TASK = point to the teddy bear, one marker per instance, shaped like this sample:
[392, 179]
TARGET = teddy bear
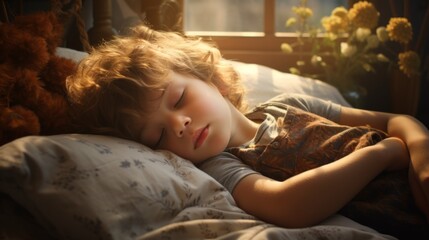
[32, 78]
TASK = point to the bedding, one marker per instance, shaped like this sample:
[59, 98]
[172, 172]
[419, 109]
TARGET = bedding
[80, 186]
[89, 186]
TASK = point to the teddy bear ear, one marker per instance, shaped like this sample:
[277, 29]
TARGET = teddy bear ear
[21, 49]
[42, 24]
[16, 122]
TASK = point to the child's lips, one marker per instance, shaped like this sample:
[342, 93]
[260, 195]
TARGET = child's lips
[200, 136]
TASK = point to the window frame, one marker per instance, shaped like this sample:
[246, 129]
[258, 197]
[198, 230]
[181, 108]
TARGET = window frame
[260, 48]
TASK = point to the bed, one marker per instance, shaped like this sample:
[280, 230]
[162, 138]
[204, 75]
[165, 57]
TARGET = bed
[79, 186]
[82, 186]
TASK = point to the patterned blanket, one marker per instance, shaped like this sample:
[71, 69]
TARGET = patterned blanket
[308, 141]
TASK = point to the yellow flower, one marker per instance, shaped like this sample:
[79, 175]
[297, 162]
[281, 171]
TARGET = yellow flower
[286, 48]
[409, 63]
[332, 24]
[363, 14]
[291, 21]
[382, 58]
[372, 42]
[362, 34]
[294, 70]
[303, 12]
[341, 12]
[347, 50]
[382, 34]
[400, 30]
[316, 60]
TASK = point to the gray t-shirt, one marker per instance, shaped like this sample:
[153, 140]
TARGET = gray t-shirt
[228, 170]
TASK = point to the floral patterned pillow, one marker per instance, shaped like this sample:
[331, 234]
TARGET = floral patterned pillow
[99, 187]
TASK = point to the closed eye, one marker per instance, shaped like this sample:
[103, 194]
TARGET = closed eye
[180, 100]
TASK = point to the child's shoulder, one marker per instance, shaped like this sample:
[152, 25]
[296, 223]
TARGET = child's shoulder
[307, 103]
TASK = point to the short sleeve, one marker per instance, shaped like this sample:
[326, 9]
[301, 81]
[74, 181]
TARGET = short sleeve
[323, 108]
[227, 169]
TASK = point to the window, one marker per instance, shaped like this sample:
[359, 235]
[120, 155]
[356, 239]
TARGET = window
[250, 30]
[320, 8]
[222, 16]
[246, 17]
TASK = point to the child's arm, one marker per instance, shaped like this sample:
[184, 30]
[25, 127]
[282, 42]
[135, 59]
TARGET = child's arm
[413, 133]
[309, 197]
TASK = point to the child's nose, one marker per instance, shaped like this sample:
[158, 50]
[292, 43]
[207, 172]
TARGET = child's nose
[179, 124]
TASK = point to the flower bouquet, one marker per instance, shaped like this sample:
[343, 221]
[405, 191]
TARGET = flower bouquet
[350, 45]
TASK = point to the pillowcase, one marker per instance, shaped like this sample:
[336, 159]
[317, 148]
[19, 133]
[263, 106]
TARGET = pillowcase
[71, 54]
[263, 83]
[98, 187]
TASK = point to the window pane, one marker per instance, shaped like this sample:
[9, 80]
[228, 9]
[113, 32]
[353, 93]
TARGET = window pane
[320, 9]
[224, 15]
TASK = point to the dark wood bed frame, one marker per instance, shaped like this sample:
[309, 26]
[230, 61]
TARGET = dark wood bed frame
[159, 15]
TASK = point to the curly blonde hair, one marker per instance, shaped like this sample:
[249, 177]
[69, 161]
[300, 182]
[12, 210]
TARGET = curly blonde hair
[109, 86]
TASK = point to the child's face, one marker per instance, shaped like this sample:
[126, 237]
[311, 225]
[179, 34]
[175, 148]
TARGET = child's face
[190, 118]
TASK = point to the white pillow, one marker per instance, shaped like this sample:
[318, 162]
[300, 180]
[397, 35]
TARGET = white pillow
[71, 54]
[99, 187]
[263, 83]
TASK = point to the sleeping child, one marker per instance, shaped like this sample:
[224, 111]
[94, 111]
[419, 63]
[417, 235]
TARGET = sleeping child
[292, 161]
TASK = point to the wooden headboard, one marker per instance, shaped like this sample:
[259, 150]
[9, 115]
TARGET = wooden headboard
[158, 14]
[78, 15]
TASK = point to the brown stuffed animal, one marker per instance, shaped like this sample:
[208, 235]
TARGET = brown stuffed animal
[32, 78]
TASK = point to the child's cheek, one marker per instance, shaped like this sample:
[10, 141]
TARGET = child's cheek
[205, 106]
